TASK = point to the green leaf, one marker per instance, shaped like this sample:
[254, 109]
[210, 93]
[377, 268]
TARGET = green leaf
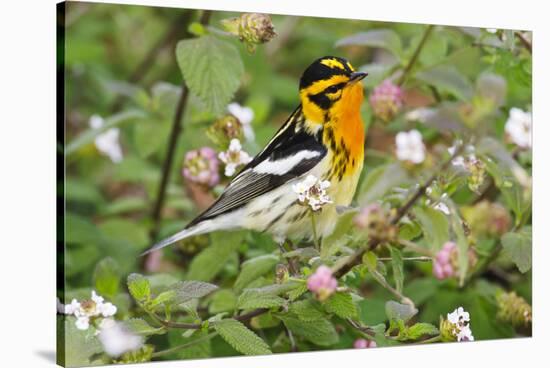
[80, 230]
[255, 298]
[212, 69]
[89, 135]
[461, 242]
[199, 344]
[299, 289]
[139, 287]
[332, 243]
[435, 226]
[184, 291]
[139, 326]
[320, 332]
[381, 180]
[397, 266]
[398, 311]
[372, 311]
[150, 136]
[382, 38]
[447, 79]
[222, 301]
[107, 278]
[342, 305]
[208, 263]
[254, 268]
[241, 338]
[306, 310]
[518, 246]
[417, 330]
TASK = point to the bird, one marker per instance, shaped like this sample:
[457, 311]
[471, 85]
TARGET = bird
[323, 137]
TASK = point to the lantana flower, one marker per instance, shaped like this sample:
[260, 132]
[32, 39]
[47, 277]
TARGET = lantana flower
[87, 309]
[201, 166]
[444, 265]
[107, 142]
[457, 326]
[364, 344]
[116, 339]
[518, 127]
[312, 192]
[386, 100]
[234, 157]
[410, 147]
[322, 283]
[245, 115]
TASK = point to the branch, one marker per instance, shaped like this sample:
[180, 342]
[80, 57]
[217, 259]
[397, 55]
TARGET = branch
[358, 326]
[415, 55]
[174, 135]
[198, 326]
[525, 42]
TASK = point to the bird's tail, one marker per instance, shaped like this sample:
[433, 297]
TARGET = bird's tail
[200, 228]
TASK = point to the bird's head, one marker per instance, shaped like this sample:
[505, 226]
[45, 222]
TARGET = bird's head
[329, 87]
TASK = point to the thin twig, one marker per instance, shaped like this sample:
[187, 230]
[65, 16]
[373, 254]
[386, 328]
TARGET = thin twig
[418, 259]
[415, 55]
[525, 42]
[364, 329]
[177, 127]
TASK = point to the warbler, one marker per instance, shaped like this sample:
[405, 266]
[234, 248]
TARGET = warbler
[323, 137]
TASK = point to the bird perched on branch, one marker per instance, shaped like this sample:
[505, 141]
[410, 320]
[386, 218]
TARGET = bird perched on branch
[323, 138]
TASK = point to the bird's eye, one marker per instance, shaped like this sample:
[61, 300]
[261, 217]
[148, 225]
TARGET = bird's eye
[332, 89]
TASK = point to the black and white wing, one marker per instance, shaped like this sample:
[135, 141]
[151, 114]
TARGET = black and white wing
[290, 153]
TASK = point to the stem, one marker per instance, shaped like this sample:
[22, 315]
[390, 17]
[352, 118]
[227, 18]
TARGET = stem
[382, 281]
[415, 55]
[177, 128]
[430, 340]
[524, 42]
[415, 248]
[419, 259]
[313, 225]
[364, 329]
[181, 347]
[355, 259]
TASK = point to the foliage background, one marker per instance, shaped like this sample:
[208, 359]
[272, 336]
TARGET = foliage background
[108, 206]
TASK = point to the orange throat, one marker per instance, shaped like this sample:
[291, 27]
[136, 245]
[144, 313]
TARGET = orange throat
[344, 133]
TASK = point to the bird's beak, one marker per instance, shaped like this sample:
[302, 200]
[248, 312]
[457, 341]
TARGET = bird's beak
[356, 77]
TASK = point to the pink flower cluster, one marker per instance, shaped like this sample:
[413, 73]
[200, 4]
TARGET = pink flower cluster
[363, 344]
[386, 100]
[322, 283]
[443, 266]
[201, 166]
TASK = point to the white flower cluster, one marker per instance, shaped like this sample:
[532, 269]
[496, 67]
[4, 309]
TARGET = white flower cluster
[312, 192]
[234, 157]
[245, 115]
[116, 339]
[461, 321]
[409, 147]
[86, 309]
[107, 142]
[519, 126]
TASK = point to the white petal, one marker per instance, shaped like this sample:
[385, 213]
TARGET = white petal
[82, 323]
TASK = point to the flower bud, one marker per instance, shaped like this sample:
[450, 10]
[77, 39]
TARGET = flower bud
[322, 283]
[445, 264]
[487, 218]
[201, 166]
[514, 309]
[251, 28]
[364, 344]
[281, 273]
[386, 100]
[376, 221]
[477, 171]
[224, 130]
